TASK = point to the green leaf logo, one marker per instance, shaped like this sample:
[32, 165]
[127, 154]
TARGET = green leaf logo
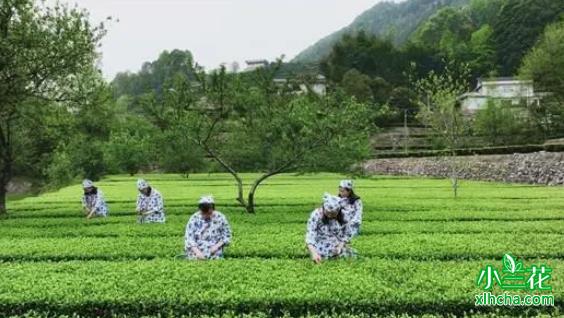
[509, 263]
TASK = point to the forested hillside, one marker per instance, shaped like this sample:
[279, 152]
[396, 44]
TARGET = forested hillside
[386, 19]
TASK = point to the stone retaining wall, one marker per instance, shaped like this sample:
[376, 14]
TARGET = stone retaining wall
[536, 168]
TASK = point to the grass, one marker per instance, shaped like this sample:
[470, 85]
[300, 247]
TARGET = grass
[420, 250]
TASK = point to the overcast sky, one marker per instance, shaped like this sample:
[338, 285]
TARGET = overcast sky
[215, 31]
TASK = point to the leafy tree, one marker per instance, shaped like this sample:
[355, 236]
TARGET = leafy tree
[421, 59]
[448, 25]
[278, 128]
[501, 124]
[369, 55]
[485, 12]
[39, 132]
[177, 154]
[381, 90]
[482, 53]
[88, 157]
[404, 100]
[544, 64]
[463, 34]
[385, 115]
[154, 76]
[129, 145]
[80, 157]
[358, 85]
[45, 52]
[518, 27]
[61, 169]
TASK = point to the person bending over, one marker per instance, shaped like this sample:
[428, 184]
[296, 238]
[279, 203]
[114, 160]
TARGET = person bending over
[93, 203]
[150, 205]
[207, 232]
[328, 233]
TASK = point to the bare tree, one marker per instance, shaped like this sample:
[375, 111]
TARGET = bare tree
[440, 110]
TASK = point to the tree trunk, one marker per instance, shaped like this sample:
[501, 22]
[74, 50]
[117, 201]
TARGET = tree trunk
[240, 194]
[5, 176]
[250, 207]
[6, 157]
[455, 186]
[3, 209]
[454, 174]
[3, 191]
[251, 203]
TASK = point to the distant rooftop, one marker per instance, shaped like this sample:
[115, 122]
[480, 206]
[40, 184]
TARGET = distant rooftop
[501, 79]
[251, 62]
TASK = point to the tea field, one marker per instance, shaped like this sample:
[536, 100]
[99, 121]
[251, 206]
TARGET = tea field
[420, 250]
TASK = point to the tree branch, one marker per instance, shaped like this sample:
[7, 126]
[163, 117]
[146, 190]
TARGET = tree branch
[232, 171]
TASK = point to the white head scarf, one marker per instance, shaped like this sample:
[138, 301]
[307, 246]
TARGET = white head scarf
[331, 203]
[347, 184]
[142, 184]
[87, 183]
[207, 199]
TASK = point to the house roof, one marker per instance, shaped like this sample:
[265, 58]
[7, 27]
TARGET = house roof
[503, 80]
[263, 61]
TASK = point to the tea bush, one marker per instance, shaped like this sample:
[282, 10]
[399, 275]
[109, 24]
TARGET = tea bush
[419, 251]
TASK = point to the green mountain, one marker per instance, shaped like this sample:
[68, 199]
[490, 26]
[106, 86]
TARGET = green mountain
[396, 20]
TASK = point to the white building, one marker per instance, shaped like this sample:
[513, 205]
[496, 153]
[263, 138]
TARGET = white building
[255, 64]
[510, 90]
[317, 86]
[232, 67]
